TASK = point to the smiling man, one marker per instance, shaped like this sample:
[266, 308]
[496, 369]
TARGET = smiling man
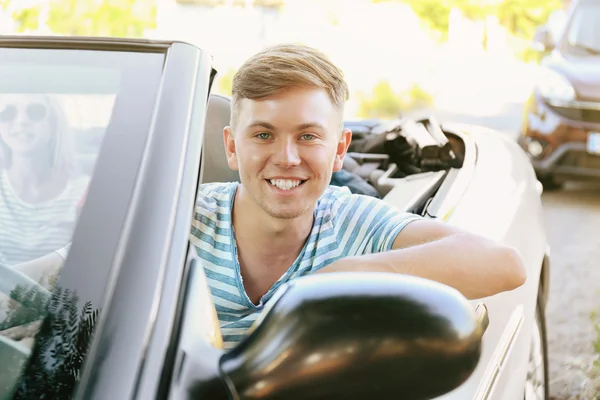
[283, 219]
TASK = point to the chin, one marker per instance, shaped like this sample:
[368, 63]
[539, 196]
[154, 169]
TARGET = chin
[286, 212]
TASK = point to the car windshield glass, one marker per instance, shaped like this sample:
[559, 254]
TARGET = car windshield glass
[55, 107]
[583, 33]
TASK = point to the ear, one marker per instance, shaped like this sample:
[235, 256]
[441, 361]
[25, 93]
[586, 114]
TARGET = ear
[342, 149]
[229, 140]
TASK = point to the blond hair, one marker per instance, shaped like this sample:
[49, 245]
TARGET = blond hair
[283, 66]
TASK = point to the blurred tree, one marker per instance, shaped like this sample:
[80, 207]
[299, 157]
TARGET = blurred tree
[384, 103]
[225, 82]
[123, 18]
[520, 17]
[435, 13]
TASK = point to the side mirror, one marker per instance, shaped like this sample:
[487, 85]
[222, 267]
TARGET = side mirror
[357, 336]
[542, 40]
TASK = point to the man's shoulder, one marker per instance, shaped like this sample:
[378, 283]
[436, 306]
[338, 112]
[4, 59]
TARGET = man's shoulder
[216, 192]
[336, 193]
[338, 196]
[215, 198]
[216, 188]
[342, 206]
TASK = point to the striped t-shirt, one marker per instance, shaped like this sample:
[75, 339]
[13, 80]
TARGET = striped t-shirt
[345, 224]
[29, 231]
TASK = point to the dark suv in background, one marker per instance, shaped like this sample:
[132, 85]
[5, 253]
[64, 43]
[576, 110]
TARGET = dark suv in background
[561, 120]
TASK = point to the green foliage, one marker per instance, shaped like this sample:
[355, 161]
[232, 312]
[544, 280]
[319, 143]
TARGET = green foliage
[435, 13]
[122, 18]
[61, 347]
[27, 18]
[26, 304]
[62, 342]
[594, 371]
[416, 97]
[225, 82]
[384, 103]
[595, 321]
[520, 17]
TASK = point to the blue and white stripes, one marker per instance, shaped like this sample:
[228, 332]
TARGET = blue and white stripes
[345, 224]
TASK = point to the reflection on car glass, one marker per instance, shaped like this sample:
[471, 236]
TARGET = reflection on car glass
[63, 335]
[47, 154]
[56, 107]
[48, 147]
[49, 143]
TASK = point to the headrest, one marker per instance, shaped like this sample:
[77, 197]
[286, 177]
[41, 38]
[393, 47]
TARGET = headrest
[214, 166]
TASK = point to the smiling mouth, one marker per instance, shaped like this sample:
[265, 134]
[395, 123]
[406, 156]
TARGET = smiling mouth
[285, 184]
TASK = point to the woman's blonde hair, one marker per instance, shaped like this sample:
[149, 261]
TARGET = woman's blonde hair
[283, 66]
[62, 158]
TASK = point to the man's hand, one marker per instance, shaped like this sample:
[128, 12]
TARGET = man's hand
[474, 265]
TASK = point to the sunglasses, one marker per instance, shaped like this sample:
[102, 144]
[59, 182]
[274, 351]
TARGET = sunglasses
[36, 112]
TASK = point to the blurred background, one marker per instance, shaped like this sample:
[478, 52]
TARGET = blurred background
[469, 57]
[469, 61]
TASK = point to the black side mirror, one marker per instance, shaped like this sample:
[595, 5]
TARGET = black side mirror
[357, 336]
[542, 40]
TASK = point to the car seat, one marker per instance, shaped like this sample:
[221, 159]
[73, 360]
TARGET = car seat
[214, 167]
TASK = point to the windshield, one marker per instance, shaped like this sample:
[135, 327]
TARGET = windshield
[55, 108]
[582, 35]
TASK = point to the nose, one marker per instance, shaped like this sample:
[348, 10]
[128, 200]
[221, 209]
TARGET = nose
[21, 118]
[286, 154]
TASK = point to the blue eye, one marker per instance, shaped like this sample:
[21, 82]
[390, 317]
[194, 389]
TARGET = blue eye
[263, 135]
[307, 136]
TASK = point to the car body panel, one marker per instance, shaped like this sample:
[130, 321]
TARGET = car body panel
[503, 204]
[582, 72]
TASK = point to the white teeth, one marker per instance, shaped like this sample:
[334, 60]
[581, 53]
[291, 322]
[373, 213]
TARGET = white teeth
[285, 184]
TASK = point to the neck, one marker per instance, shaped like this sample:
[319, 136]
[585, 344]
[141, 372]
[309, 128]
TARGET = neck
[272, 235]
[25, 171]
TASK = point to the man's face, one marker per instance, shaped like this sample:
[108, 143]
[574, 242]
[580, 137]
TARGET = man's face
[285, 148]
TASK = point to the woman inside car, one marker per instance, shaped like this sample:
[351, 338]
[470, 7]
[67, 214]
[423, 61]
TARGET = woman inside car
[39, 186]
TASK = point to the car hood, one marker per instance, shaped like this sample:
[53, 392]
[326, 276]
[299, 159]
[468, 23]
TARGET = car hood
[582, 72]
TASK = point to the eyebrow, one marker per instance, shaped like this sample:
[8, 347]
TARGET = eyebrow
[264, 124]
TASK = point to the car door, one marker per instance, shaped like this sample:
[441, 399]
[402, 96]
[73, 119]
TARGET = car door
[107, 330]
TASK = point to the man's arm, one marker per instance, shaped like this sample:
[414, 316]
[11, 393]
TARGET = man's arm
[474, 265]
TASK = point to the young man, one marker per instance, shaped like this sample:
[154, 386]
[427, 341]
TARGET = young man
[283, 220]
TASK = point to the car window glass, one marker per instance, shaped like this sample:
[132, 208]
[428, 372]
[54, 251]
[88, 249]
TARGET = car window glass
[55, 108]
